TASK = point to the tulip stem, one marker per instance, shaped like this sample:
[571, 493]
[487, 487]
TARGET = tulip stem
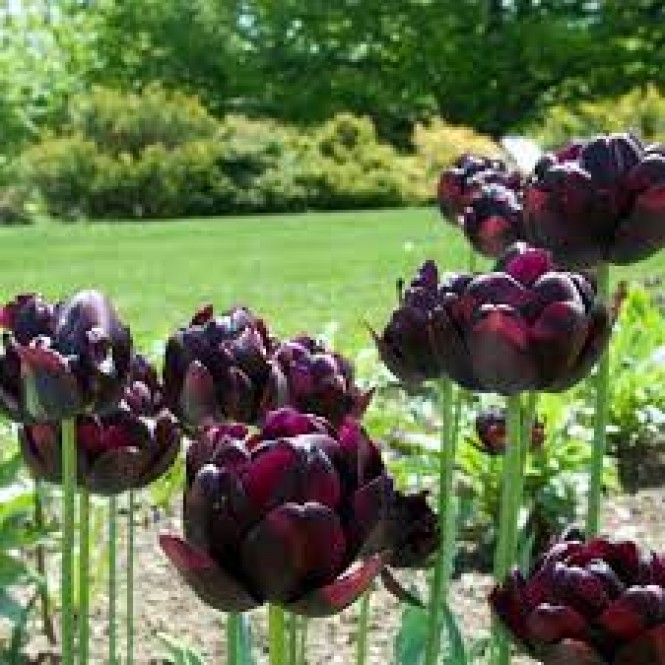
[44, 594]
[293, 639]
[600, 424]
[113, 571]
[130, 578]
[276, 635]
[472, 259]
[232, 638]
[68, 437]
[363, 624]
[511, 502]
[442, 572]
[84, 575]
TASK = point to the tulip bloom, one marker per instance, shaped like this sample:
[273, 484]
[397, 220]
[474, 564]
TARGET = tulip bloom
[491, 431]
[492, 220]
[282, 516]
[61, 360]
[598, 201]
[458, 184]
[315, 380]
[525, 326]
[595, 603]
[218, 367]
[128, 448]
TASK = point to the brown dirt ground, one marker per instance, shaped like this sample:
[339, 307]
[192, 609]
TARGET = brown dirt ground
[165, 604]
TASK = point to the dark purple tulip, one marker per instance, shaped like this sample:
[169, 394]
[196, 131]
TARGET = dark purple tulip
[282, 516]
[313, 379]
[493, 220]
[525, 326]
[602, 200]
[491, 431]
[127, 448]
[61, 360]
[218, 367]
[458, 184]
[595, 603]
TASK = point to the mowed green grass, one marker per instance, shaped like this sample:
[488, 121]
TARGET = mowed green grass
[301, 272]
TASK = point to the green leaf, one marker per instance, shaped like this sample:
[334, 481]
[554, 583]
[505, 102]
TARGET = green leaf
[245, 642]
[456, 653]
[179, 653]
[411, 639]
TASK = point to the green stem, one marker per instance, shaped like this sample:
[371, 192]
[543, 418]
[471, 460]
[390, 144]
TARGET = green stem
[472, 258]
[130, 578]
[303, 642]
[113, 572]
[600, 425]
[511, 502]
[276, 635]
[439, 589]
[363, 624]
[68, 428]
[232, 638]
[84, 576]
[293, 639]
[44, 594]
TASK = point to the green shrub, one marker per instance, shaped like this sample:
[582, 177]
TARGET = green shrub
[161, 154]
[642, 110]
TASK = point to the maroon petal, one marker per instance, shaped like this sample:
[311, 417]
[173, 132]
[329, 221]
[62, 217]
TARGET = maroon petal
[643, 232]
[502, 357]
[369, 530]
[572, 652]
[648, 649]
[294, 549]
[51, 391]
[525, 264]
[40, 447]
[341, 593]
[115, 471]
[552, 623]
[213, 585]
[636, 610]
[166, 441]
[509, 603]
[198, 400]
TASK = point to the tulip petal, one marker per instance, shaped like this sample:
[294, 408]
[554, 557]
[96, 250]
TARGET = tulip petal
[40, 447]
[198, 400]
[643, 232]
[51, 391]
[637, 609]
[167, 442]
[552, 623]
[571, 652]
[115, 471]
[341, 593]
[294, 548]
[213, 585]
[502, 358]
[648, 649]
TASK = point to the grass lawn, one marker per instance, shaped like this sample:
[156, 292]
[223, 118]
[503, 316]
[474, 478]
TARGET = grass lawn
[301, 272]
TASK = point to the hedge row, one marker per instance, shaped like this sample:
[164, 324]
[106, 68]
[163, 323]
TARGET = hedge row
[161, 154]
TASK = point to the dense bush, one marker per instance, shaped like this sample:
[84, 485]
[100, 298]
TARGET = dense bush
[161, 154]
[642, 110]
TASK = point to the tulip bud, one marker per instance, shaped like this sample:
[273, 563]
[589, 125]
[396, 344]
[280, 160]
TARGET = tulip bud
[491, 432]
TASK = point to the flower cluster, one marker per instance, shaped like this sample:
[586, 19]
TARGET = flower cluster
[125, 448]
[594, 603]
[460, 183]
[598, 200]
[230, 367]
[282, 514]
[61, 360]
[525, 326]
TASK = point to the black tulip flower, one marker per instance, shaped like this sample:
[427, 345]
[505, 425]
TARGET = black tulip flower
[595, 603]
[601, 200]
[293, 515]
[313, 379]
[525, 326]
[492, 220]
[61, 360]
[491, 431]
[458, 184]
[127, 448]
[218, 367]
